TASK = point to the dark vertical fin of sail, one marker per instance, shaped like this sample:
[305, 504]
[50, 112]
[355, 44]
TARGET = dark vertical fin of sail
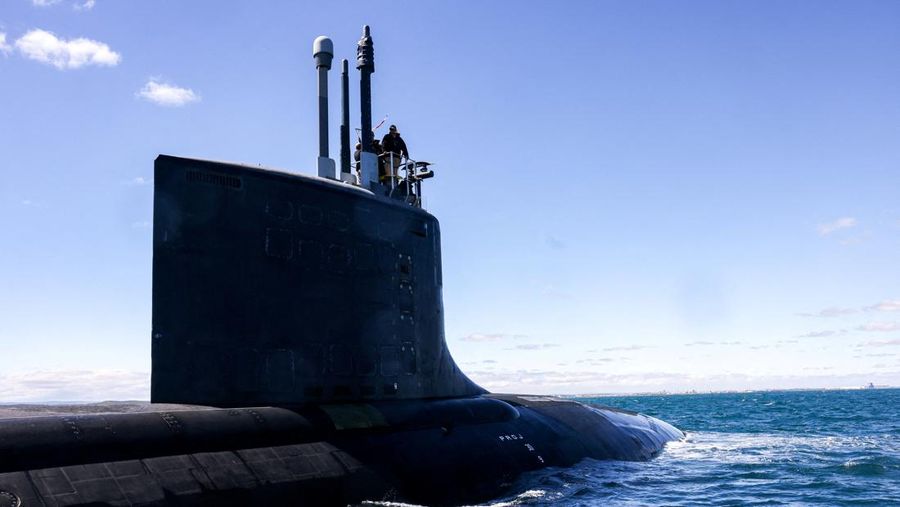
[278, 289]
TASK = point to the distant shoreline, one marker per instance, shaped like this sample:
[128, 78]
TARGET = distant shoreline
[733, 391]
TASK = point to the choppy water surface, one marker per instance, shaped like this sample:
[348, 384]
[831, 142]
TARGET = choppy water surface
[765, 448]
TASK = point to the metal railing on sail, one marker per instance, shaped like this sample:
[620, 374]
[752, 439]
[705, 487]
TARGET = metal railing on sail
[413, 173]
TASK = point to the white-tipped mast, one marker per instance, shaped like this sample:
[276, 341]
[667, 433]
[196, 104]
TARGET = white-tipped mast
[323, 52]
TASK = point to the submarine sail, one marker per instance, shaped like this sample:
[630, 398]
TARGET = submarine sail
[273, 288]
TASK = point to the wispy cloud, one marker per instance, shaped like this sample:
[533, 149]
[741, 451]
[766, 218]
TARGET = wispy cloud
[626, 348]
[832, 311]
[45, 47]
[598, 361]
[534, 346]
[75, 385]
[165, 94]
[32, 203]
[831, 227]
[821, 334]
[880, 327]
[558, 381]
[888, 305]
[491, 337]
[881, 343]
[138, 181]
[552, 291]
[704, 343]
[143, 224]
[78, 5]
[5, 48]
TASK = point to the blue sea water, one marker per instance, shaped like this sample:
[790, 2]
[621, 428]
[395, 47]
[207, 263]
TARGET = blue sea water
[759, 448]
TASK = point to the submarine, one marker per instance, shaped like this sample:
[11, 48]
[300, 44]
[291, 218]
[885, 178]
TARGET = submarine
[299, 356]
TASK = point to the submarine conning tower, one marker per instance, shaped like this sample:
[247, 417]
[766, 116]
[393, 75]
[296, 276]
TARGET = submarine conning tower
[272, 288]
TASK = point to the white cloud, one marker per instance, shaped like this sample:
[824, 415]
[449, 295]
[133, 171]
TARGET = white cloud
[832, 311]
[840, 223]
[144, 224]
[166, 94]
[881, 327]
[86, 5]
[44, 3]
[5, 48]
[534, 346]
[626, 349]
[75, 385]
[138, 181]
[45, 47]
[885, 343]
[820, 334]
[32, 202]
[704, 343]
[888, 305]
[600, 361]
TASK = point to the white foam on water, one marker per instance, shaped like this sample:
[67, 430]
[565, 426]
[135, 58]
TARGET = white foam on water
[531, 494]
[391, 504]
[758, 448]
[519, 499]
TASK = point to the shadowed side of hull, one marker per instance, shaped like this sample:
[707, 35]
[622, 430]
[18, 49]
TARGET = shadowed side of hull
[271, 288]
[446, 452]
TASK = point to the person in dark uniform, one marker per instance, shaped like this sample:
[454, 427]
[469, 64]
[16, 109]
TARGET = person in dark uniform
[356, 157]
[395, 147]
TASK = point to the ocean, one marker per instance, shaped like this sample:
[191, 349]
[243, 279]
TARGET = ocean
[757, 448]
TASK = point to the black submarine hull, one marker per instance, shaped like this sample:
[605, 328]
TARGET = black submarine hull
[320, 304]
[436, 452]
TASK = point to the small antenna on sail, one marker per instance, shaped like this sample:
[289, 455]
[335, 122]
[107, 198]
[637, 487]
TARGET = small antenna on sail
[323, 52]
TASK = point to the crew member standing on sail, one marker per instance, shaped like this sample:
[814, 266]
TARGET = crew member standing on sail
[395, 147]
[357, 154]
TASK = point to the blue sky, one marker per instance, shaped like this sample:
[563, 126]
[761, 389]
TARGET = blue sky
[634, 196]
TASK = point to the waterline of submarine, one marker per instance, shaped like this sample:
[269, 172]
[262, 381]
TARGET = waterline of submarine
[278, 398]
